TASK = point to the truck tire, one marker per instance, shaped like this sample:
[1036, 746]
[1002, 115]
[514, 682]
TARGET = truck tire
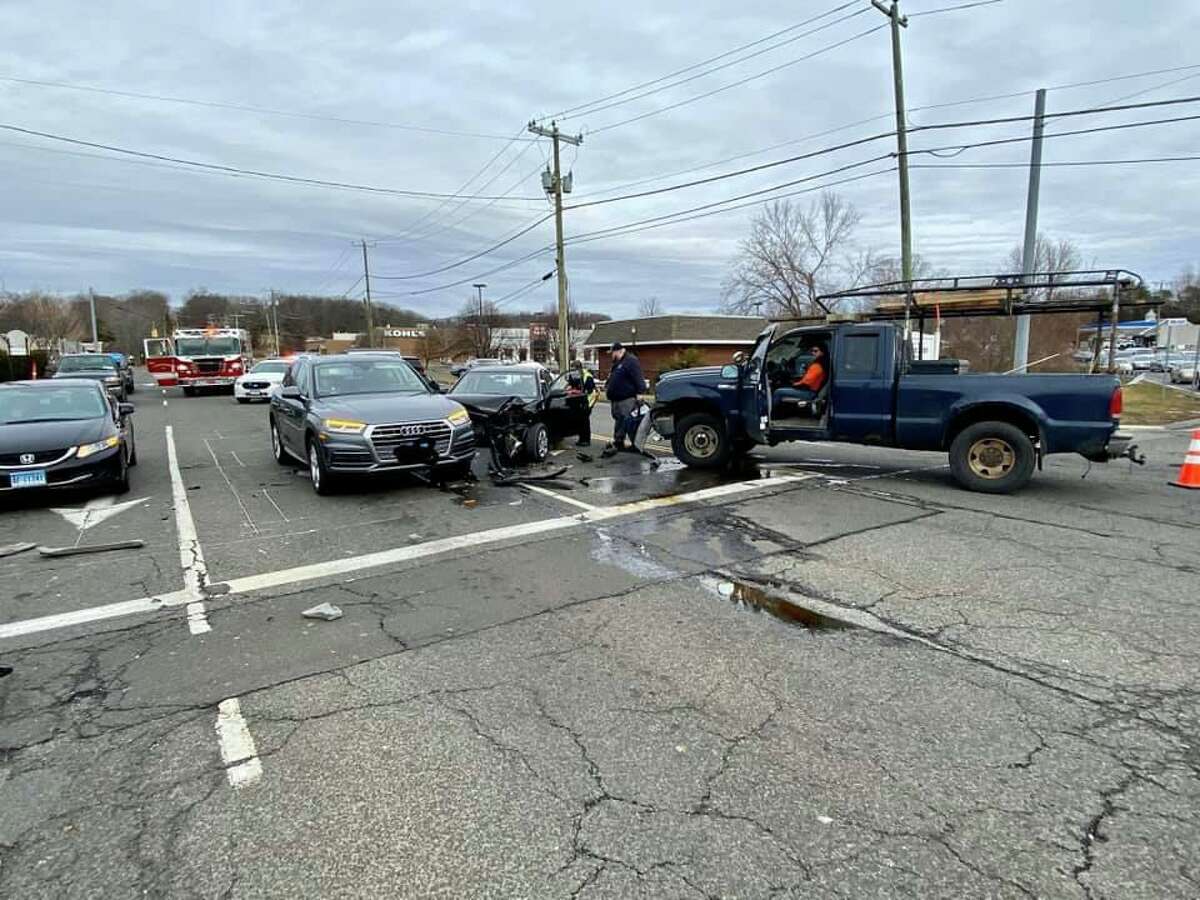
[992, 458]
[700, 441]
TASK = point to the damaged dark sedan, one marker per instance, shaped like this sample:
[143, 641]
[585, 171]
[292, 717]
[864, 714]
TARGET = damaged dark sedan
[520, 409]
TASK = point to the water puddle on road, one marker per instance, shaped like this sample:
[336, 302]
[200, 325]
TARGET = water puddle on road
[786, 609]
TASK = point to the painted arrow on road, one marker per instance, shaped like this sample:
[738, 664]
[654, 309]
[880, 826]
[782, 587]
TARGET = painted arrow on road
[96, 511]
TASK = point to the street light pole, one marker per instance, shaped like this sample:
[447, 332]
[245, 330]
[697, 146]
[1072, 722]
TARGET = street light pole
[481, 350]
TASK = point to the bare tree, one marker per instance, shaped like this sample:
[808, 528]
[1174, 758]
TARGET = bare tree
[47, 319]
[479, 321]
[1050, 257]
[650, 306]
[890, 269]
[793, 255]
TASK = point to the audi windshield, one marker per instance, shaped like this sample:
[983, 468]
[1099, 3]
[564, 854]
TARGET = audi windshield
[366, 376]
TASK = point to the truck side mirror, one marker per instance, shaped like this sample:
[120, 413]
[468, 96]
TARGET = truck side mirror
[730, 371]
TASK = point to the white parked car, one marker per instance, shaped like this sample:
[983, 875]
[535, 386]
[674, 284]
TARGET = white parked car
[261, 381]
[1183, 373]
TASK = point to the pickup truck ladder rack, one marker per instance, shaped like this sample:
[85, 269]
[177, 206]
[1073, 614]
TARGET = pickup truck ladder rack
[1102, 291]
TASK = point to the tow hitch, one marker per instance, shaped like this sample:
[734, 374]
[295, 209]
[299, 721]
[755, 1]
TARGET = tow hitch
[1121, 446]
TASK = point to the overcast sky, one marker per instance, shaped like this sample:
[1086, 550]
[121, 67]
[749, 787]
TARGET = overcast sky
[73, 217]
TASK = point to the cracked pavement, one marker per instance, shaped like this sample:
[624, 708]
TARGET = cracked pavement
[584, 714]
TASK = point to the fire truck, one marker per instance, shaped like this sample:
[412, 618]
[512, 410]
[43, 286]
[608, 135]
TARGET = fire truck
[199, 357]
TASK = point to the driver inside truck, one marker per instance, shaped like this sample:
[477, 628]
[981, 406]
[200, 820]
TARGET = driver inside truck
[806, 387]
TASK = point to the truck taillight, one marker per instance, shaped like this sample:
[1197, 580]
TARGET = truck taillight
[1116, 405]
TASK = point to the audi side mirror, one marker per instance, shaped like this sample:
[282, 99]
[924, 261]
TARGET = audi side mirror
[290, 392]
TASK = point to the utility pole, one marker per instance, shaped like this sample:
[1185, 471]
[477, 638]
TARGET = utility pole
[370, 312]
[557, 188]
[273, 321]
[481, 349]
[95, 331]
[1029, 254]
[906, 262]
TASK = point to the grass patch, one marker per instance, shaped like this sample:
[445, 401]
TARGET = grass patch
[1153, 404]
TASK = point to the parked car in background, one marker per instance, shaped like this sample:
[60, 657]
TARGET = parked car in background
[359, 414]
[98, 367]
[1142, 361]
[259, 382]
[59, 433]
[458, 369]
[485, 389]
[125, 364]
[413, 361]
[1183, 372]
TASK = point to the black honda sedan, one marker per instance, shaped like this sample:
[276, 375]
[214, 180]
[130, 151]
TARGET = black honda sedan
[61, 433]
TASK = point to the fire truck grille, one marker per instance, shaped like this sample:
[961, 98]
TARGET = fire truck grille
[209, 366]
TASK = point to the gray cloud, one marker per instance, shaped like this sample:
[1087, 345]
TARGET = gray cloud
[74, 219]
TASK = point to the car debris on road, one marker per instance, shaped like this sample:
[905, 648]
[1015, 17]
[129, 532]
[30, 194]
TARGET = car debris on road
[327, 612]
[135, 544]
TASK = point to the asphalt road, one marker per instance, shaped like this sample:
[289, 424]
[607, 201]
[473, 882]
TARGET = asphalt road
[573, 692]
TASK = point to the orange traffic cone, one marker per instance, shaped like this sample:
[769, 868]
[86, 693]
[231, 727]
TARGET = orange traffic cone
[1189, 475]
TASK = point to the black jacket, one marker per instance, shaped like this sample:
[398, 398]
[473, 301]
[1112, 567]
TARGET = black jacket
[626, 379]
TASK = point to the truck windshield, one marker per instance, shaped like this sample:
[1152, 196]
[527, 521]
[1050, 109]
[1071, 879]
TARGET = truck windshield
[213, 346]
[85, 363]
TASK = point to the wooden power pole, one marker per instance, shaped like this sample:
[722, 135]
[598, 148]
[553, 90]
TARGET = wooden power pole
[557, 188]
[370, 312]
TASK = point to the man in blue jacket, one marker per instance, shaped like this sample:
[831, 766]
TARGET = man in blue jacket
[625, 383]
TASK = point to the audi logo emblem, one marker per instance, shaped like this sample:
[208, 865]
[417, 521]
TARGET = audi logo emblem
[411, 430]
[27, 459]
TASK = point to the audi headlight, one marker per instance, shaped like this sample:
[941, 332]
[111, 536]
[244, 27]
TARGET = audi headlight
[87, 450]
[343, 426]
[459, 417]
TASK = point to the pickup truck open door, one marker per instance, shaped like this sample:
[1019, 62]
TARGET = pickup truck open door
[756, 398]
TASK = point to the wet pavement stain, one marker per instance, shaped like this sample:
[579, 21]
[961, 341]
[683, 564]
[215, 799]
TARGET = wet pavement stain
[759, 599]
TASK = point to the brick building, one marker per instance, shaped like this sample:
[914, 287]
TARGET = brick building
[657, 340]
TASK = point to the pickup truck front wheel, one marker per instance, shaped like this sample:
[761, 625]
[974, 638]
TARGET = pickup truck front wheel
[700, 441]
[992, 458]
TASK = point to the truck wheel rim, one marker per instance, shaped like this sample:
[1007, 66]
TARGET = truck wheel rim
[314, 467]
[991, 458]
[701, 441]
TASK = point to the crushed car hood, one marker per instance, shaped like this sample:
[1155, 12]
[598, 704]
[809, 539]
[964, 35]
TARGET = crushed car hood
[486, 403]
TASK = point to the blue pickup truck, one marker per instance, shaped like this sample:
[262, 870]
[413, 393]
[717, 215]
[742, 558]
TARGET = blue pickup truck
[996, 428]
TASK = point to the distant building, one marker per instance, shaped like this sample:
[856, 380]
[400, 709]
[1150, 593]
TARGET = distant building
[657, 340]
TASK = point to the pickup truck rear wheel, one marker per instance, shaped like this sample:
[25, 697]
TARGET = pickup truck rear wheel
[700, 441]
[992, 458]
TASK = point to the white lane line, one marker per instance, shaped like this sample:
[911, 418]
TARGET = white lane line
[92, 614]
[242, 765]
[189, 595]
[353, 564]
[237, 459]
[191, 556]
[232, 489]
[570, 501]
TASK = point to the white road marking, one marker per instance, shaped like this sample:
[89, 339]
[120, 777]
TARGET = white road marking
[237, 459]
[191, 556]
[96, 511]
[353, 564]
[92, 614]
[242, 765]
[191, 594]
[164, 402]
[232, 489]
[570, 501]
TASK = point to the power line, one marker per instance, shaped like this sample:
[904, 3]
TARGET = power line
[474, 256]
[739, 82]
[500, 268]
[1064, 164]
[240, 172]
[213, 104]
[565, 113]
[736, 62]
[945, 9]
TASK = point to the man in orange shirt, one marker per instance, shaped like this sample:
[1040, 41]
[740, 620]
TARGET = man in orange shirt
[809, 385]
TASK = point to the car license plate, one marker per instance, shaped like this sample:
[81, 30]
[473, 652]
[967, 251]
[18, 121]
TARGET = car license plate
[254, 393]
[36, 478]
